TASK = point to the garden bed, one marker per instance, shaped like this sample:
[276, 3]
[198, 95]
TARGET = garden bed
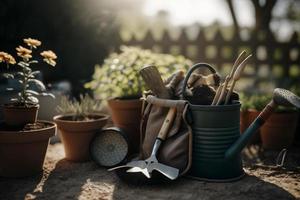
[66, 180]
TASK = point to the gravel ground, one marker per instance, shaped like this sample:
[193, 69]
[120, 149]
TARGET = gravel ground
[66, 180]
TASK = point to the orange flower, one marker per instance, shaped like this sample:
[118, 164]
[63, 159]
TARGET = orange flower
[49, 57]
[32, 42]
[24, 53]
[7, 58]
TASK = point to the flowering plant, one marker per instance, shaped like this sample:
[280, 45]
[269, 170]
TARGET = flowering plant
[26, 75]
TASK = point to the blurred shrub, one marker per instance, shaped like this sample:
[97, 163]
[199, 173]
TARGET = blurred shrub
[119, 75]
[258, 102]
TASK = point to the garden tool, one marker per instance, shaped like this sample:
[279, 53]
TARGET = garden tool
[237, 75]
[217, 142]
[110, 147]
[237, 62]
[281, 97]
[154, 81]
[150, 164]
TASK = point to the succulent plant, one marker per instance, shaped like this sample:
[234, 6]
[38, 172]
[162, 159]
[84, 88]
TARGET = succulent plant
[80, 109]
[119, 77]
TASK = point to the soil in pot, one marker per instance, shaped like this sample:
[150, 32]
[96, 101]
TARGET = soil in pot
[126, 114]
[23, 150]
[19, 115]
[77, 134]
[279, 130]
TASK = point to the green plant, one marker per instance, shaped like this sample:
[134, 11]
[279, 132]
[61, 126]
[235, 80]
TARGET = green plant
[119, 74]
[258, 102]
[26, 75]
[80, 109]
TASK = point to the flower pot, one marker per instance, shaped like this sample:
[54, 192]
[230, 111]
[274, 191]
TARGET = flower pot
[77, 135]
[246, 118]
[20, 115]
[22, 152]
[126, 114]
[279, 130]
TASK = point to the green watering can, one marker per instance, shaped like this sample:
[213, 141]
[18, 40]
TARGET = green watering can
[217, 142]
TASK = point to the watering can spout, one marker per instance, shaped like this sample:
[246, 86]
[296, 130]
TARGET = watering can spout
[280, 97]
[240, 143]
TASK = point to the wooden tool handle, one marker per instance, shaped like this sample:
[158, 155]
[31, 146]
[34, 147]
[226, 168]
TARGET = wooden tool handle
[222, 95]
[167, 124]
[154, 81]
[217, 95]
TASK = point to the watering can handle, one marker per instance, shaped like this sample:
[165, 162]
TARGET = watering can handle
[191, 70]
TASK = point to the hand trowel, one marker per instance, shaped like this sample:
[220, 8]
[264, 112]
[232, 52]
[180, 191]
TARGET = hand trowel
[150, 164]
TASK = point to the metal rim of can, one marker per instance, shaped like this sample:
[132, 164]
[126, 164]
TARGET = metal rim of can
[121, 133]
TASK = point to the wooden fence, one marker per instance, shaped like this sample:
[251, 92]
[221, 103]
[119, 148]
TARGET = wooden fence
[273, 63]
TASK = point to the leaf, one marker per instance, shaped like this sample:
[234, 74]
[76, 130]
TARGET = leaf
[20, 73]
[33, 61]
[7, 75]
[9, 89]
[20, 81]
[32, 99]
[48, 94]
[32, 92]
[14, 100]
[24, 64]
[35, 73]
[38, 83]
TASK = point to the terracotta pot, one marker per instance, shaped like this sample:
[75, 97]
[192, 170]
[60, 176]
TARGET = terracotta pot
[246, 118]
[20, 115]
[126, 114]
[77, 135]
[22, 153]
[279, 130]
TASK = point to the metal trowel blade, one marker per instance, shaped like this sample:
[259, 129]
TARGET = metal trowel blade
[137, 169]
[170, 172]
[131, 164]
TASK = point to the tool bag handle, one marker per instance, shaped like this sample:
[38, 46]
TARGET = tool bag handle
[191, 70]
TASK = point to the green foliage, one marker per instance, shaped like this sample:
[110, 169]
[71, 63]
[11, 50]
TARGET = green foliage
[258, 102]
[119, 75]
[80, 109]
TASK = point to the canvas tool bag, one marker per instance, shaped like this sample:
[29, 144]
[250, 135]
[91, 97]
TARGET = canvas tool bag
[176, 150]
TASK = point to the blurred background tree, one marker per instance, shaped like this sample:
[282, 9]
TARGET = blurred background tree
[83, 32]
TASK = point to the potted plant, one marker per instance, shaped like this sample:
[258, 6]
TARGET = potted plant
[21, 135]
[279, 130]
[119, 82]
[78, 123]
[249, 112]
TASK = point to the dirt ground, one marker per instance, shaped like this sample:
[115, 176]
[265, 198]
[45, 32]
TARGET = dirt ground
[66, 180]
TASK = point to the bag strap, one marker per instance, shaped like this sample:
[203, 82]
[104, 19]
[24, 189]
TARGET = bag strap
[145, 115]
[165, 102]
[186, 121]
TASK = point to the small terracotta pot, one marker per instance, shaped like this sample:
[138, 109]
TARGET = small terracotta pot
[246, 118]
[279, 130]
[77, 135]
[126, 114]
[22, 153]
[20, 115]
